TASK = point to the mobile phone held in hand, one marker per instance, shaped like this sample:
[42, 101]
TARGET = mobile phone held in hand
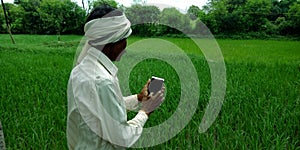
[155, 85]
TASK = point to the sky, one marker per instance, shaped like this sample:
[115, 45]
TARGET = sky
[182, 5]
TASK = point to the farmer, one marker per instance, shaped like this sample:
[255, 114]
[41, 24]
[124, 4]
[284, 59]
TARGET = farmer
[96, 107]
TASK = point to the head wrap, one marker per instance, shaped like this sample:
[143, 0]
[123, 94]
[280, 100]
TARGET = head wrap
[102, 31]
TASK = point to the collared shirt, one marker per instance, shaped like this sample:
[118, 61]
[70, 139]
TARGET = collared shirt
[96, 108]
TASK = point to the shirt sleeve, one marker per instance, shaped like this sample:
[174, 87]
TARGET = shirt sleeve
[102, 108]
[131, 102]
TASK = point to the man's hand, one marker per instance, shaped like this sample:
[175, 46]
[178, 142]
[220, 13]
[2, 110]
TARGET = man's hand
[148, 106]
[144, 95]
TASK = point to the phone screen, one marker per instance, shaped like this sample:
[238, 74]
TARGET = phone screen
[155, 85]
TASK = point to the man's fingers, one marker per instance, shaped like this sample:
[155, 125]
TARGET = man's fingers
[160, 99]
[163, 99]
[154, 100]
[145, 93]
[147, 84]
[148, 97]
[151, 94]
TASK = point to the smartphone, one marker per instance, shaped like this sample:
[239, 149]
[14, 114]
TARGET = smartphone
[155, 85]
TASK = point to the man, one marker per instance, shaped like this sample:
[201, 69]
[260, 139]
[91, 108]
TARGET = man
[96, 108]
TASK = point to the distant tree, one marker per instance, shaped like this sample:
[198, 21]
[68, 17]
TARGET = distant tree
[16, 18]
[209, 20]
[96, 3]
[139, 14]
[276, 11]
[59, 16]
[174, 18]
[144, 17]
[51, 14]
[255, 14]
[73, 18]
[233, 5]
[218, 13]
[31, 22]
[285, 5]
[279, 8]
[244, 16]
[294, 17]
[194, 12]
[220, 16]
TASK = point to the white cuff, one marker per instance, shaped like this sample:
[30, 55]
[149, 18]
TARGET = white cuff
[131, 102]
[139, 120]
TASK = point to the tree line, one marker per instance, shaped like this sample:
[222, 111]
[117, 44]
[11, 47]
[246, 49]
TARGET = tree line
[222, 17]
[272, 17]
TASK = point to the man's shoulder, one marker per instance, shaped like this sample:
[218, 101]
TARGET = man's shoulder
[82, 75]
[104, 80]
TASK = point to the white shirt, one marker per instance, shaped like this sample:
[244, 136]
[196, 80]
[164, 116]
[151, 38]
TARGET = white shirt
[96, 108]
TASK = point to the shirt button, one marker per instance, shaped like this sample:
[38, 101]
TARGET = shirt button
[98, 77]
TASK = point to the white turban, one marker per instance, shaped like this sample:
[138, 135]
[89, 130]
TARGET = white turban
[102, 31]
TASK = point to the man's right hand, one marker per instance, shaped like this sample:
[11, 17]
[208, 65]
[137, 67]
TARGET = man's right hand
[153, 102]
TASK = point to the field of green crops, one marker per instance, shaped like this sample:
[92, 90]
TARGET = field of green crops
[261, 109]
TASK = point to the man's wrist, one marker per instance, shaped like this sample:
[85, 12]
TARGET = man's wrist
[145, 112]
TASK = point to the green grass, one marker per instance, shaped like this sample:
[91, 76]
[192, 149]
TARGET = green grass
[261, 108]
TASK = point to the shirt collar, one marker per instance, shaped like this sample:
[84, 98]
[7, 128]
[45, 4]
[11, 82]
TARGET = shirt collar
[104, 61]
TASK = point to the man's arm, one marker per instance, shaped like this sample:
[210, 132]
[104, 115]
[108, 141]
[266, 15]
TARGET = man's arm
[131, 102]
[102, 109]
